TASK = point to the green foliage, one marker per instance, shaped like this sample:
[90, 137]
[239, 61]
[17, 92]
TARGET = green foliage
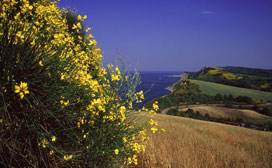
[263, 109]
[268, 126]
[187, 87]
[249, 71]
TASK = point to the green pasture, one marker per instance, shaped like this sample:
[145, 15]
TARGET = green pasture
[211, 88]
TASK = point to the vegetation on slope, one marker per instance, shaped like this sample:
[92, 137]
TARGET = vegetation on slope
[258, 79]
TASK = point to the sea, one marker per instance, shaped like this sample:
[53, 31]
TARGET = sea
[154, 84]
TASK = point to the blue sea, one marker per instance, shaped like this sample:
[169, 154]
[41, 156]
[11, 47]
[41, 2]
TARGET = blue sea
[156, 83]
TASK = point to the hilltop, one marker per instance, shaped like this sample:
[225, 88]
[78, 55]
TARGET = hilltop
[252, 78]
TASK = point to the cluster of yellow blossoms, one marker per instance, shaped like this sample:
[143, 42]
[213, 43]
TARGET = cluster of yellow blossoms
[21, 89]
[67, 157]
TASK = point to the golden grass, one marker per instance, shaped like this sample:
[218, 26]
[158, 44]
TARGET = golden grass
[222, 112]
[192, 143]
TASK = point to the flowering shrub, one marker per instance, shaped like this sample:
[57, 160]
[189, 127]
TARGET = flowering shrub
[58, 106]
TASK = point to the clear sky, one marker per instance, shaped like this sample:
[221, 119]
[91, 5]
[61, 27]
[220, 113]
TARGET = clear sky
[181, 35]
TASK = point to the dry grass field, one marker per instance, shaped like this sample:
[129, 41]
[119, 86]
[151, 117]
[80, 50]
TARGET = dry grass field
[189, 143]
[222, 112]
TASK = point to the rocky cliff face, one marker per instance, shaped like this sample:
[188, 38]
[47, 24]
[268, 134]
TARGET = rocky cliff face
[185, 75]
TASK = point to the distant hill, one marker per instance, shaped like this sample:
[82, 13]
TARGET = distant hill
[249, 71]
[252, 78]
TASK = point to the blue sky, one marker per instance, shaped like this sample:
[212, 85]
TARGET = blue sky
[181, 35]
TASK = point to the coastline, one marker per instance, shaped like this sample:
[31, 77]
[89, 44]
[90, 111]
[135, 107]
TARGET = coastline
[183, 76]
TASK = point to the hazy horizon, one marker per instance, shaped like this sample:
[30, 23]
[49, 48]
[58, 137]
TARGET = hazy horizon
[159, 35]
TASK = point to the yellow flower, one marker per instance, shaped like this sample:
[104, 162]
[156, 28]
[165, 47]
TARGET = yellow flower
[40, 63]
[135, 159]
[116, 151]
[153, 129]
[155, 106]
[90, 36]
[85, 17]
[88, 29]
[130, 105]
[66, 103]
[92, 42]
[43, 143]
[62, 76]
[74, 26]
[66, 157]
[22, 89]
[79, 17]
[115, 77]
[51, 152]
[79, 25]
[152, 122]
[37, 23]
[53, 138]
[122, 112]
[30, 7]
[129, 160]
[20, 35]
[17, 16]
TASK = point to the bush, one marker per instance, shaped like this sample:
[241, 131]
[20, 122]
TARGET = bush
[268, 126]
[58, 106]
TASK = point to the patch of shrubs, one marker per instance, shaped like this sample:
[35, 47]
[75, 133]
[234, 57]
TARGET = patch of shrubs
[193, 98]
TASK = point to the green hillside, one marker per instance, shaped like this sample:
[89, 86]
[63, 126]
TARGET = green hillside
[251, 78]
[212, 89]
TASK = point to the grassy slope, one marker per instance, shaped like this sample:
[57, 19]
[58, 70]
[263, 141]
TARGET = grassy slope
[222, 112]
[211, 88]
[193, 143]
